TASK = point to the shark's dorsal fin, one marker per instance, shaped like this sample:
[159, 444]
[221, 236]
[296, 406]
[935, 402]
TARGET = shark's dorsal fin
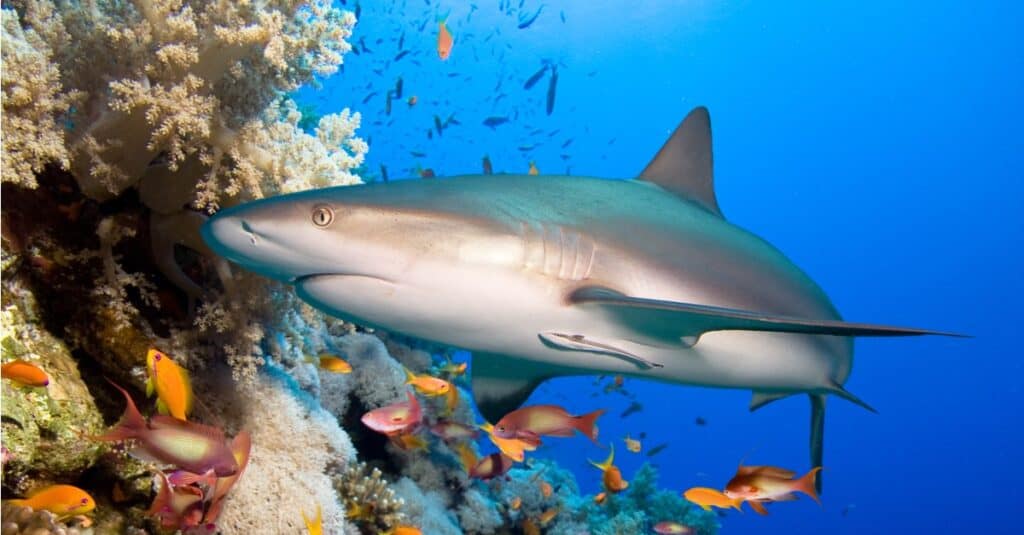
[501, 385]
[685, 165]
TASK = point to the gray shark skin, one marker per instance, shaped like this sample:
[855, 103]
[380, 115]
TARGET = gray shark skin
[544, 276]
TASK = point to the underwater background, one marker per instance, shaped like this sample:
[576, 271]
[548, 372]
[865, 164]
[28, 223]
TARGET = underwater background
[876, 144]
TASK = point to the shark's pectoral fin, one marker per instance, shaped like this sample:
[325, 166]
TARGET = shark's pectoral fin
[501, 384]
[579, 342]
[683, 321]
[761, 399]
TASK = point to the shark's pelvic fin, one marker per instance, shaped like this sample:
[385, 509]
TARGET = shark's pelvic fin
[682, 320]
[501, 384]
[817, 434]
[838, 390]
[684, 165]
[579, 342]
[761, 399]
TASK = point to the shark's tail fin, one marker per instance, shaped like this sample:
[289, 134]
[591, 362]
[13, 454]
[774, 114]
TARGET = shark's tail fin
[817, 434]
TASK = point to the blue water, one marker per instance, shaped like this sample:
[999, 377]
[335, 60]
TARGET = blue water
[877, 144]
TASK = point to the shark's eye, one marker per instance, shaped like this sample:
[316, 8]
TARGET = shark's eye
[322, 216]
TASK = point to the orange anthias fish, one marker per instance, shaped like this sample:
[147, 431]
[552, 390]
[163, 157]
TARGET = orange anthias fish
[403, 530]
[332, 363]
[672, 528]
[170, 383]
[611, 476]
[600, 497]
[467, 457]
[707, 498]
[547, 516]
[516, 503]
[492, 466]
[533, 169]
[190, 446]
[550, 420]
[25, 373]
[451, 400]
[515, 448]
[395, 418]
[427, 385]
[545, 489]
[408, 442]
[632, 444]
[314, 525]
[412, 101]
[62, 500]
[444, 41]
[760, 484]
[453, 369]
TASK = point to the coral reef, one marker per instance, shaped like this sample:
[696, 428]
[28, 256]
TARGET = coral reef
[180, 99]
[296, 445]
[20, 520]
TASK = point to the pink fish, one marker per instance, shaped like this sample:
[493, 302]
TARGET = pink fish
[193, 447]
[448, 431]
[492, 466]
[551, 420]
[241, 446]
[178, 507]
[396, 418]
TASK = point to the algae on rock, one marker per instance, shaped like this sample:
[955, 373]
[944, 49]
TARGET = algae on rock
[43, 428]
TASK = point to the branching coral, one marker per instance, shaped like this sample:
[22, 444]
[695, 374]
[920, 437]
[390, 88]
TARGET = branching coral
[33, 105]
[184, 97]
[367, 497]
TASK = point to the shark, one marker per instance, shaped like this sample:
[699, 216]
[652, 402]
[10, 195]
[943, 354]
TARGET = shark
[548, 276]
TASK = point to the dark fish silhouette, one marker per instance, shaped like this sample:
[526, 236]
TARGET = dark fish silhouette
[552, 84]
[532, 81]
[525, 23]
[657, 449]
[493, 121]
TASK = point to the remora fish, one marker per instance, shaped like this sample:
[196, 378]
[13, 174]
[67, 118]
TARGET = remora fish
[552, 275]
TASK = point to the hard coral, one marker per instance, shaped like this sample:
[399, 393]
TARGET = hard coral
[177, 94]
[369, 500]
[19, 520]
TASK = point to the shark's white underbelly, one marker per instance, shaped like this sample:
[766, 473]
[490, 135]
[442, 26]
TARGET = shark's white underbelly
[506, 316]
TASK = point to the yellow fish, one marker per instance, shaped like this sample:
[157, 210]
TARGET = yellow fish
[316, 525]
[427, 384]
[332, 363]
[467, 457]
[533, 169]
[632, 445]
[171, 384]
[514, 448]
[64, 501]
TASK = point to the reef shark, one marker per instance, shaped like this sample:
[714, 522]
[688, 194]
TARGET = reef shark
[545, 276]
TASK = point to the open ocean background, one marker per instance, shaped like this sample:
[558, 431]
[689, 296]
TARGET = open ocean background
[877, 144]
